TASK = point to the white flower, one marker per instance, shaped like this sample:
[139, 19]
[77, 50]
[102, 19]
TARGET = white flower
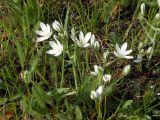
[45, 33]
[73, 35]
[142, 9]
[158, 2]
[149, 50]
[96, 94]
[99, 90]
[94, 43]
[93, 95]
[106, 78]
[158, 94]
[139, 59]
[126, 70]
[140, 46]
[56, 26]
[122, 52]
[96, 70]
[83, 40]
[157, 16]
[105, 54]
[57, 48]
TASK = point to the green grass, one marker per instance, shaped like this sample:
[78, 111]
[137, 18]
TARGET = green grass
[36, 85]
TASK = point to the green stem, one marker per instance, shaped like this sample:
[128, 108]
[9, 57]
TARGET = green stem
[62, 73]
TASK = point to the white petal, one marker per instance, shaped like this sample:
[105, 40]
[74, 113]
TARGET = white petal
[106, 78]
[86, 45]
[40, 39]
[58, 53]
[117, 48]
[56, 25]
[96, 68]
[129, 57]
[43, 26]
[59, 45]
[124, 47]
[81, 37]
[96, 45]
[93, 95]
[52, 44]
[55, 37]
[100, 90]
[92, 40]
[40, 33]
[48, 29]
[94, 73]
[87, 37]
[116, 54]
[52, 52]
[127, 52]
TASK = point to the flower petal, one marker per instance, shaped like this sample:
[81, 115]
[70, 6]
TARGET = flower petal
[87, 37]
[124, 47]
[40, 33]
[127, 52]
[128, 57]
[81, 37]
[52, 52]
[86, 45]
[99, 90]
[40, 39]
[117, 48]
[43, 26]
[92, 40]
[116, 54]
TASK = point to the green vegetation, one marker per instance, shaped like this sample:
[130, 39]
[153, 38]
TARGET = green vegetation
[80, 59]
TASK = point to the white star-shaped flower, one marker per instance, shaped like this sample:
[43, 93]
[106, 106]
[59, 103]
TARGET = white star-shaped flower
[96, 94]
[44, 33]
[96, 70]
[83, 40]
[123, 52]
[56, 26]
[94, 43]
[106, 78]
[57, 48]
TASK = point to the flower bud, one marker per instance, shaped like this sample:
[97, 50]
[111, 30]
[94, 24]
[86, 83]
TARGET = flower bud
[139, 59]
[56, 26]
[126, 70]
[140, 46]
[158, 2]
[157, 16]
[93, 39]
[105, 54]
[142, 9]
[149, 50]
[106, 78]
[96, 45]
[93, 95]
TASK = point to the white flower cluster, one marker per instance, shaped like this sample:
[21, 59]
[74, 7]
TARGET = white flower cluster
[57, 48]
[46, 32]
[83, 40]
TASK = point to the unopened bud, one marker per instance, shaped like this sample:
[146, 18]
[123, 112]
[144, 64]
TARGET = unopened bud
[158, 2]
[142, 9]
[126, 70]
[157, 16]
[96, 45]
[149, 50]
[140, 46]
[105, 54]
